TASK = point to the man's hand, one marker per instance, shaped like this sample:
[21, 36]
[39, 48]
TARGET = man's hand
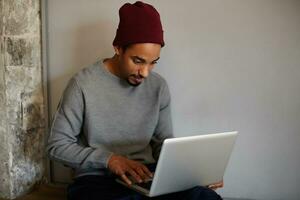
[216, 185]
[122, 167]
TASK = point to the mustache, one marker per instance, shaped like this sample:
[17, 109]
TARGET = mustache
[138, 76]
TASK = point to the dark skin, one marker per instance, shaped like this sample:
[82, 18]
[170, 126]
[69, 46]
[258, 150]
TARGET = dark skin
[134, 65]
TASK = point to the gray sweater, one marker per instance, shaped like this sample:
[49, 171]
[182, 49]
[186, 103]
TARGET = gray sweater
[100, 114]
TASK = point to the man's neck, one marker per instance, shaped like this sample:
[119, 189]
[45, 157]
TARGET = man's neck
[112, 65]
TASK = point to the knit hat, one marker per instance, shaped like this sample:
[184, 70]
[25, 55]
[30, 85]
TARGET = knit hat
[139, 23]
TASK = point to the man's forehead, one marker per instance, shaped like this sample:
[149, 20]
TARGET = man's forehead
[146, 51]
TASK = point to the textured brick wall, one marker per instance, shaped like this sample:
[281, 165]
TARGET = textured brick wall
[22, 119]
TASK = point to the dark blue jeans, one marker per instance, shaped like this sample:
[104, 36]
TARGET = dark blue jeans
[105, 188]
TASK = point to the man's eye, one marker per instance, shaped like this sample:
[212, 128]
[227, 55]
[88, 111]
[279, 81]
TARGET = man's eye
[137, 61]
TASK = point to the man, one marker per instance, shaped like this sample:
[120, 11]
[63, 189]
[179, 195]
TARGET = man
[115, 114]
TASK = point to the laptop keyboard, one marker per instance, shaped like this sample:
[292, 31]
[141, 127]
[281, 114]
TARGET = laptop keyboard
[146, 185]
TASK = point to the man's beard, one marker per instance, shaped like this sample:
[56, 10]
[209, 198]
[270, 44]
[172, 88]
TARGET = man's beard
[132, 84]
[137, 83]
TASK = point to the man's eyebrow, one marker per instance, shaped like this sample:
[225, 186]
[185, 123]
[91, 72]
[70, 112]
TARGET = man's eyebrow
[156, 59]
[142, 59]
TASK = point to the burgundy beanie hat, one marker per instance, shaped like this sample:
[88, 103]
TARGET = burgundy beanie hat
[139, 23]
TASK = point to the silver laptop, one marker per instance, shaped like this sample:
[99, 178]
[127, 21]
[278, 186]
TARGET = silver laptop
[187, 162]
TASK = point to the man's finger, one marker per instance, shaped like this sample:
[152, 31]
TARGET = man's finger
[126, 179]
[219, 185]
[212, 187]
[147, 171]
[215, 186]
[141, 173]
[135, 175]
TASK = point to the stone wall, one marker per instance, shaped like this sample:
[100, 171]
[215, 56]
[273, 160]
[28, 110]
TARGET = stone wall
[22, 118]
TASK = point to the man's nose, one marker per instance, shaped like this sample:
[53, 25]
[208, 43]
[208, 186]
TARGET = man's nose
[144, 71]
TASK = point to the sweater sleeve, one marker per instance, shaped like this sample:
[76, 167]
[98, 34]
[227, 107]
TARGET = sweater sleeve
[63, 144]
[164, 128]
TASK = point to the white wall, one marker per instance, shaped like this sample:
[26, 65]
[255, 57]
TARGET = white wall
[230, 65]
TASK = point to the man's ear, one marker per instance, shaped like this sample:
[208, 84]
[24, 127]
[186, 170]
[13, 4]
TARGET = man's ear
[118, 50]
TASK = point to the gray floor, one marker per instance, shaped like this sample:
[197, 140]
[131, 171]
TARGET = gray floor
[236, 199]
